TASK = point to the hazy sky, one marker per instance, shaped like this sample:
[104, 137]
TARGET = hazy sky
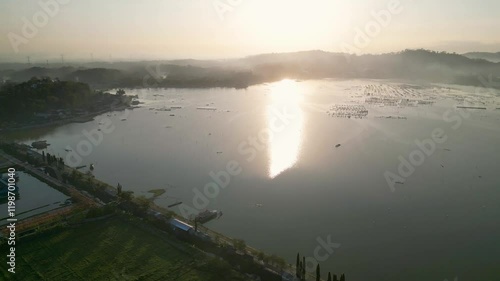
[148, 29]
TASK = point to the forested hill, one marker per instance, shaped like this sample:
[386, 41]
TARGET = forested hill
[421, 65]
[21, 101]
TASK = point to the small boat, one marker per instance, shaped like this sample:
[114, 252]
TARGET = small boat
[175, 204]
[338, 145]
[206, 108]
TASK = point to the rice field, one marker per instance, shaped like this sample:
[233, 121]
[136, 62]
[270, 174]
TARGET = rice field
[114, 249]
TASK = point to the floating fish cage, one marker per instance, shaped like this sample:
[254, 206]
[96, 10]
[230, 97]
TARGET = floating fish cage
[348, 111]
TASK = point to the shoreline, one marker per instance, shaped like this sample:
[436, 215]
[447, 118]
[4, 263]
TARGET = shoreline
[91, 199]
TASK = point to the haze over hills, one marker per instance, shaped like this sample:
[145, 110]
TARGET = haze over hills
[493, 57]
[421, 65]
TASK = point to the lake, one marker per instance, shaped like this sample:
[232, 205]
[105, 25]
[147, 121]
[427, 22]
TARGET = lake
[297, 165]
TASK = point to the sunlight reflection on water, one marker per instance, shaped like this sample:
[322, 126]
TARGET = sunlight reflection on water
[287, 133]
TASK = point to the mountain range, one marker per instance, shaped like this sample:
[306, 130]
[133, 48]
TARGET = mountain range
[473, 69]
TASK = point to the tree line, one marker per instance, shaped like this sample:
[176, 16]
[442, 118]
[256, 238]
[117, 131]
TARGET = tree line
[300, 271]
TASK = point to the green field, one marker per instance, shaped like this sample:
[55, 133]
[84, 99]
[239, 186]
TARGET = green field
[113, 249]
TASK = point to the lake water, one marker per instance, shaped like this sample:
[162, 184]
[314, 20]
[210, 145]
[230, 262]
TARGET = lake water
[35, 197]
[288, 184]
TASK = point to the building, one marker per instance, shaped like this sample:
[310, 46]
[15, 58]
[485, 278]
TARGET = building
[181, 227]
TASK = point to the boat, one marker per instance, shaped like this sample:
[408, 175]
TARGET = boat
[206, 216]
[338, 145]
[206, 108]
[173, 205]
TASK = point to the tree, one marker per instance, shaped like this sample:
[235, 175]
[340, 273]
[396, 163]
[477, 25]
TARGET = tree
[297, 266]
[65, 176]
[90, 182]
[43, 156]
[118, 189]
[329, 276]
[239, 245]
[260, 256]
[100, 187]
[335, 277]
[278, 261]
[120, 92]
[342, 277]
[318, 273]
[49, 159]
[143, 203]
[300, 270]
[303, 268]
[127, 195]
[74, 175]
[266, 259]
